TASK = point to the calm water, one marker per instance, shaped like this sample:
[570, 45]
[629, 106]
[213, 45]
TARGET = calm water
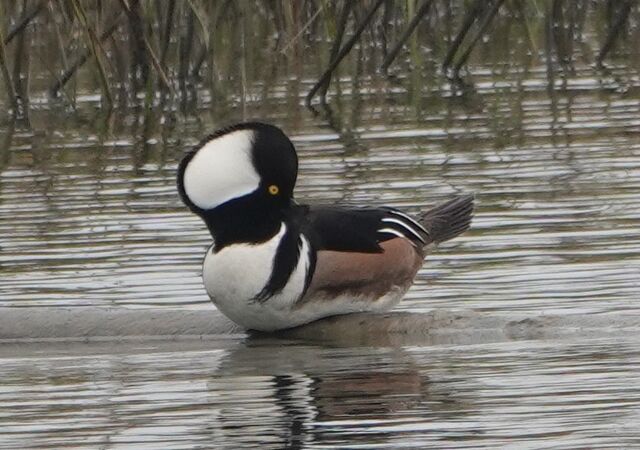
[90, 216]
[567, 394]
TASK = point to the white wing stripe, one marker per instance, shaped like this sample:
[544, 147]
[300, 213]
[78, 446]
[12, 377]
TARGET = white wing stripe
[392, 231]
[410, 219]
[405, 226]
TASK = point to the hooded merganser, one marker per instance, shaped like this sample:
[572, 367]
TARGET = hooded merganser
[275, 264]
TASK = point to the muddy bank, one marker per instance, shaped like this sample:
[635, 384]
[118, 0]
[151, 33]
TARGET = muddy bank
[437, 326]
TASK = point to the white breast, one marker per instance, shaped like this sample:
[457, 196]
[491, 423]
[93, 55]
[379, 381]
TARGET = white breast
[237, 273]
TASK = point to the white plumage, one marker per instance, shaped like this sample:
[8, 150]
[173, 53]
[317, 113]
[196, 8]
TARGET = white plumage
[222, 170]
[237, 273]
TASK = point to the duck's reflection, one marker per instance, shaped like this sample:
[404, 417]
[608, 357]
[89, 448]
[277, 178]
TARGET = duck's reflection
[293, 394]
[369, 395]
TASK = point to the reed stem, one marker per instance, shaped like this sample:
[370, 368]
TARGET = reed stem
[326, 76]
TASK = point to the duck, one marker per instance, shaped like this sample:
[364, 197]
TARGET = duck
[275, 264]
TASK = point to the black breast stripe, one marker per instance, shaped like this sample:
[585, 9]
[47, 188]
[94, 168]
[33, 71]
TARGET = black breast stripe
[284, 263]
[313, 258]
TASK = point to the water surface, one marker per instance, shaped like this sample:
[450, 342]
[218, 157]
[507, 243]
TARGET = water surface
[90, 217]
[242, 394]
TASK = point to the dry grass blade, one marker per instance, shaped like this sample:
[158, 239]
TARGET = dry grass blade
[8, 82]
[203, 20]
[424, 9]
[24, 21]
[166, 35]
[152, 56]
[484, 24]
[112, 26]
[82, 17]
[326, 76]
[614, 31]
[472, 14]
[304, 28]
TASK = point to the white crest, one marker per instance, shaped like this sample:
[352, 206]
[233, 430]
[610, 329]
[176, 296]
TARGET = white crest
[221, 170]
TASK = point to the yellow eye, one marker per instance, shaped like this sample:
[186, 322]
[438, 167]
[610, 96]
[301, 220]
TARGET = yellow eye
[273, 189]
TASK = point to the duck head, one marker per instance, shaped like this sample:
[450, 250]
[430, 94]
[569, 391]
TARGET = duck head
[240, 181]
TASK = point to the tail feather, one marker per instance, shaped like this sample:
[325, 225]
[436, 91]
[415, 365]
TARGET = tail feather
[449, 219]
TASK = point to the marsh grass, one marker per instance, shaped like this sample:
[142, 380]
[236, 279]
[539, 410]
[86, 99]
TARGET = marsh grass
[162, 53]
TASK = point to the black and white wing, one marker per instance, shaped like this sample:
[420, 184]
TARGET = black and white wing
[360, 229]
